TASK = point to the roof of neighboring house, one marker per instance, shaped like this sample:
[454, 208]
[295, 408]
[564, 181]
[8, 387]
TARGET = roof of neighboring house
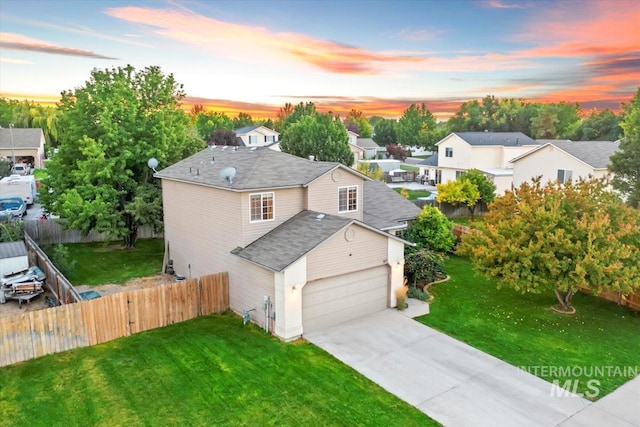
[384, 208]
[13, 249]
[430, 161]
[366, 143]
[22, 137]
[295, 238]
[247, 129]
[506, 139]
[594, 153]
[256, 168]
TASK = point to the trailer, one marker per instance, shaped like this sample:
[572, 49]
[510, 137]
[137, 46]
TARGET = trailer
[19, 186]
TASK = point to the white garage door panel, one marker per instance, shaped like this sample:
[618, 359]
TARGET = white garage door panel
[331, 301]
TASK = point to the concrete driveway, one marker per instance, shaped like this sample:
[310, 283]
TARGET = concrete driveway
[450, 381]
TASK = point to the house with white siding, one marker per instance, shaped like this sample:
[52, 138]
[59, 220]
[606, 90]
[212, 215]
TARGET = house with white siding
[23, 145]
[307, 244]
[258, 136]
[564, 160]
[489, 152]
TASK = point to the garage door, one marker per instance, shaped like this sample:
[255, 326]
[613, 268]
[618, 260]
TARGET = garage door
[335, 300]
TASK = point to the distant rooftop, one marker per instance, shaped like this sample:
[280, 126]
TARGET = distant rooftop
[506, 139]
[593, 153]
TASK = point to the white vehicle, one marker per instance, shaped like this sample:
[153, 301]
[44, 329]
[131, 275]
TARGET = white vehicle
[20, 169]
[19, 186]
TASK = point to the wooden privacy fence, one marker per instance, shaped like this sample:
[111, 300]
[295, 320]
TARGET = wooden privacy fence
[37, 333]
[57, 283]
[51, 232]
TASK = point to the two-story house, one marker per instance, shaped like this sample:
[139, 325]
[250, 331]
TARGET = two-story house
[307, 244]
[257, 136]
[489, 152]
[564, 160]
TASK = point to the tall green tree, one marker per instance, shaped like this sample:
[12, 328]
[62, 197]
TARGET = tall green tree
[558, 238]
[625, 164]
[209, 122]
[418, 126]
[486, 187]
[290, 114]
[598, 126]
[385, 132]
[322, 136]
[243, 119]
[356, 122]
[110, 127]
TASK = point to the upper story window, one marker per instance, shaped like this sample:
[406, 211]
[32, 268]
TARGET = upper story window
[448, 152]
[261, 207]
[253, 139]
[348, 198]
[269, 138]
[564, 176]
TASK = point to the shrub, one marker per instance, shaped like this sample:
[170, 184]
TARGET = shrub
[424, 266]
[59, 254]
[418, 293]
[431, 230]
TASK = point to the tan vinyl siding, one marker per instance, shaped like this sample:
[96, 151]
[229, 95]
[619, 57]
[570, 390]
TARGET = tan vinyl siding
[322, 194]
[287, 203]
[366, 249]
[202, 226]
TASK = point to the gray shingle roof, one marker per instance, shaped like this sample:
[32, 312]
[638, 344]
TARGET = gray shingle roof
[257, 168]
[12, 249]
[366, 143]
[430, 161]
[384, 208]
[291, 240]
[507, 139]
[593, 153]
[245, 129]
[22, 137]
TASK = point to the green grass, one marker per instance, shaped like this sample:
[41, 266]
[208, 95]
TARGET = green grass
[409, 168]
[40, 173]
[414, 194]
[208, 371]
[524, 331]
[98, 264]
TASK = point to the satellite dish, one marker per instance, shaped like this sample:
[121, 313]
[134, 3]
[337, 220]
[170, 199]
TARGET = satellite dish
[228, 174]
[153, 164]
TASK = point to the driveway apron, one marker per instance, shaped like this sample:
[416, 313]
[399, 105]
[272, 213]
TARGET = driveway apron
[451, 381]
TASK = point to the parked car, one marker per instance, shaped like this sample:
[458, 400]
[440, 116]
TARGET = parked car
[13, 206]
[20, 169]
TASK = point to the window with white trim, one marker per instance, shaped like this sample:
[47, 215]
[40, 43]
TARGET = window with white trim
[253, 139]
[261, 206]
[269, 138]
[348, 198]
[564, 176]
[448, 152]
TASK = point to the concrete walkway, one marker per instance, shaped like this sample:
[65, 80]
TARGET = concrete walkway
[456, 384]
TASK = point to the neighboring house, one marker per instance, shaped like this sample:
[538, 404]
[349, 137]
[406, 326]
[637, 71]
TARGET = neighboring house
[258, 136]
[306, 244]
[25, 145]
[489, 152]
[13, 257]
[564, 160]
[429, 170]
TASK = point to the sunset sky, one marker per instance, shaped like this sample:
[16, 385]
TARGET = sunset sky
[374, 56]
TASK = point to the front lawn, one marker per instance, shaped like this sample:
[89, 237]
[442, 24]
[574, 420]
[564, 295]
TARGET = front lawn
[524, 331]
[207, 371]
[99, 264]
[410, 168]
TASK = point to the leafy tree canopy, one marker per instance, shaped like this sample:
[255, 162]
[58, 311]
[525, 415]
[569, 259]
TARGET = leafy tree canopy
[99, 180]
[322, 136]
[396, 151]
[598, 126]
[431, 230]
[625, 164]
[243, 120]
[459, 192]
[418, 127]
[290, 114]
[486, 187]
[385, 132]
[356, 122]
[559, 238]
[223, 137]
[365, 168]
[209, 122]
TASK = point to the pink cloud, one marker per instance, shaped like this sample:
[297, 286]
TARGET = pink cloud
[26, 44]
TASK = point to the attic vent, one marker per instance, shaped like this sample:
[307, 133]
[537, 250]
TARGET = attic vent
[319, 217]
